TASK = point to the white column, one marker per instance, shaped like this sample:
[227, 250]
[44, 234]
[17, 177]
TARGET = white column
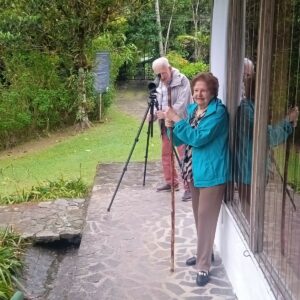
[218, 49]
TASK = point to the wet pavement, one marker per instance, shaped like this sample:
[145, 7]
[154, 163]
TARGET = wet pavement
[48, 271]
[125, 253]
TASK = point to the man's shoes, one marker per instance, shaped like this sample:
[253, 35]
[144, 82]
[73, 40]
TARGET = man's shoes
[187, 195]
[192, 260]
[202, 278]
[167, 188]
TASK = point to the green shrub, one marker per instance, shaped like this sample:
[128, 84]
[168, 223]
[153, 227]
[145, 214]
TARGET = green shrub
[13, 112]
[194, 47]
[60, 188]
[188, 69]
[193, 69]
[37, 99]
[11, 249]
[176, 60]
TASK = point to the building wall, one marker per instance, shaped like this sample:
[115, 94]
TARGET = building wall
[218, 48]
[242, 269]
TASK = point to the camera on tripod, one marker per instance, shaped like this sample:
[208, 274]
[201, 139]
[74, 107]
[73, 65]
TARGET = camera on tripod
[152, 104]
[152, 87]
[152, 96]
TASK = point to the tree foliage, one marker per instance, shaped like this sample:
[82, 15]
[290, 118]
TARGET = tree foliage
[61, 26]
[43, 44]
[179, 33]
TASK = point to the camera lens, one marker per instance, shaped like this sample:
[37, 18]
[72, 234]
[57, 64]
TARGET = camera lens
[152, 87]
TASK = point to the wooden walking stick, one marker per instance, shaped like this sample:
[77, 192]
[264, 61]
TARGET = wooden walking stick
[285, 178]
[172, 188]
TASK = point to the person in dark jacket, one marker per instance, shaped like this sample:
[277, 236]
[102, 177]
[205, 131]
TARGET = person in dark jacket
[206, 162]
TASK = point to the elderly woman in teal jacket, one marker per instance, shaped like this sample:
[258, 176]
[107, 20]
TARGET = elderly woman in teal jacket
[205, 165]
[244, 124]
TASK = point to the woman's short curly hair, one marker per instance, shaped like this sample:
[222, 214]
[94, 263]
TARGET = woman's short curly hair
[211, 81]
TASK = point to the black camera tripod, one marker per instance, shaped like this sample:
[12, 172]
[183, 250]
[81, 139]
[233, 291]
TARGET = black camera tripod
[150, 109]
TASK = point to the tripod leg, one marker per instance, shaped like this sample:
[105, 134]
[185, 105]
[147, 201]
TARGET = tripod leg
[129, 156]
[150, 129]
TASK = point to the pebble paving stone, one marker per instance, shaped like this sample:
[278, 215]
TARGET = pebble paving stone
[125, 253]
[49, 221]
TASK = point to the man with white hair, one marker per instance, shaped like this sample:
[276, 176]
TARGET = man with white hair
[248, 79]
[181, 96]
[244, 125]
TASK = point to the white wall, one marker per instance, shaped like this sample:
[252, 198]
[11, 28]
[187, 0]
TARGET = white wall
[218, 49]
[243, 271]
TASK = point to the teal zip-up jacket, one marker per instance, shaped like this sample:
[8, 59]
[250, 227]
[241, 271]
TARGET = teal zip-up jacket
[277, 134]
[209, 141]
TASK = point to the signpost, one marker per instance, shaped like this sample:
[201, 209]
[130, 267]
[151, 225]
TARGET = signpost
[101, 71]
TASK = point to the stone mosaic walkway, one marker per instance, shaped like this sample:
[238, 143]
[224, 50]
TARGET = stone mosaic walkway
[125, 253]
[46, 221]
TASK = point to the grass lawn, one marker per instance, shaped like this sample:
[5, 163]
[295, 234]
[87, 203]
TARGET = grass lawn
[78, 155]
[293, 165]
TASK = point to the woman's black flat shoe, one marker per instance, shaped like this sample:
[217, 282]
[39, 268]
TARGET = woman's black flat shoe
[191, 261]
[202, 278]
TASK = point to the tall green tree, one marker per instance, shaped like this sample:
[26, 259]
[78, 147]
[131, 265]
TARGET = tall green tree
[154, 39]
[66, 28]
[159, 29]
[201, 21]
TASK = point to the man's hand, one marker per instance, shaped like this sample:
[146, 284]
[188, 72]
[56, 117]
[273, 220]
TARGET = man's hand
[293, 115]
[149, 117]
[169, 123]
[171, 115]
[160, 115]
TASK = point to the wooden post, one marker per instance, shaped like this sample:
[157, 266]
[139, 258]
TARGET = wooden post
[262, 95]
[100, 107]
[235, 61]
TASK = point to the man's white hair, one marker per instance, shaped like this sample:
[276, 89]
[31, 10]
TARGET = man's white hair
[248, 66]
[159, 63]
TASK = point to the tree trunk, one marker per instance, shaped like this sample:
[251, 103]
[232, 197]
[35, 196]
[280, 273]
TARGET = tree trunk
[161, 45]
[82, 115]
[169, 27]
[195, 11]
